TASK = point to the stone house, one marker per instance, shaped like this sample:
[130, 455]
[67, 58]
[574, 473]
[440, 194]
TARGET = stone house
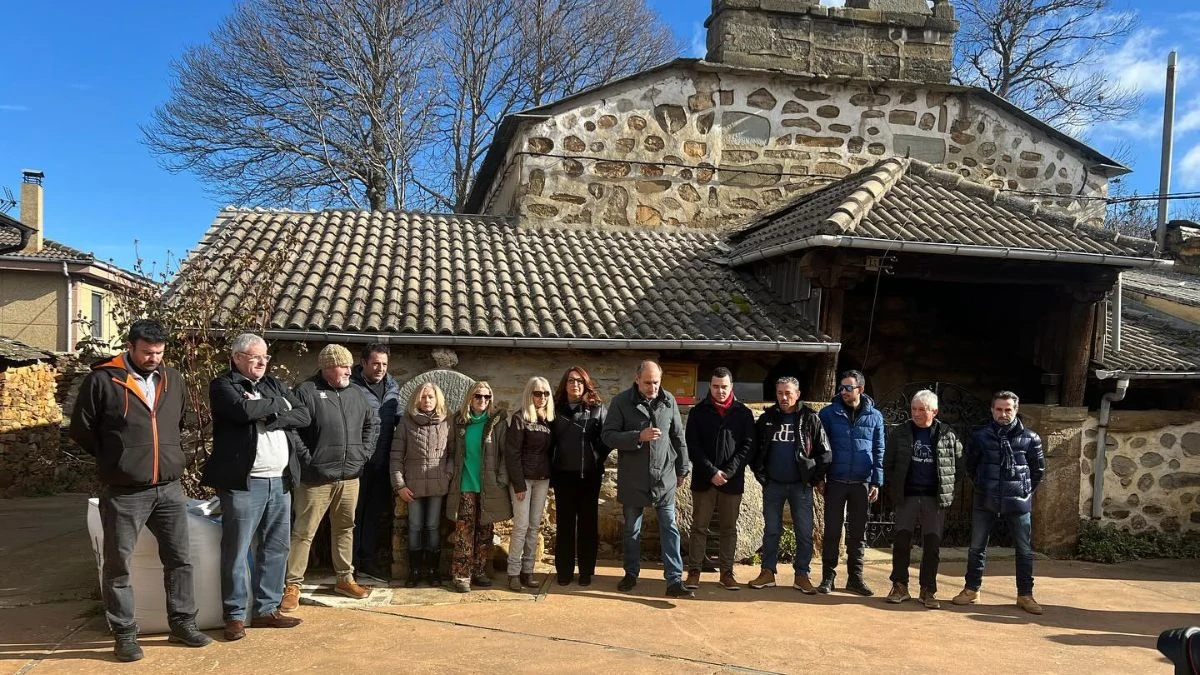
[53, 296]
[812, 196]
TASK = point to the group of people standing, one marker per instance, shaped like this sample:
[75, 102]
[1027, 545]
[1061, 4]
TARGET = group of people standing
[338, 444]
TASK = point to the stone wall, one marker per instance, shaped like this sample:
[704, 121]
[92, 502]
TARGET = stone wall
[872, 39]
[1055, 526]
[1152, 479]
[704, 145]
[29, 429]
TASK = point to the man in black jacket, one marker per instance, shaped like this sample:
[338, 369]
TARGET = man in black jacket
[253, 470]
[128, 415]
[333, 448]
[792, 454]
[375, 501]
[720, 436]
[1007, 463]
[920, 463]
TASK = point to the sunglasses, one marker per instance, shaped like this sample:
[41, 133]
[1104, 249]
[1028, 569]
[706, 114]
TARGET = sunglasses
[483, 397]
[575, 380]
[847, 387]
[541, 394]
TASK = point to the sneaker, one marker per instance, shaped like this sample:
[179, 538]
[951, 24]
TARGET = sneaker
[693, 580]
[514, 583]
[729, 582]
[826, 585]
[804, 585]
[929, 599]
[966, 597]
[350, 588]
[765, 579]
[291, 598]
[627, 583]
[125, 646]
[186, 633]
[859, 587]
[460, 586]
[677, 590]
[899, 594]
[1027, 603]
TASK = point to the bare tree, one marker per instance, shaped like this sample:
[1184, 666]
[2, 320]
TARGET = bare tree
[303, 102]
[1046, 57]
[497, 57]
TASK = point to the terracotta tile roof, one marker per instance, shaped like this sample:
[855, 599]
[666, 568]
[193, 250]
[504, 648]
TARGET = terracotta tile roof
[408, 275]
[906, 200]
[1153, 342]
[51, 250]
[1177, 287]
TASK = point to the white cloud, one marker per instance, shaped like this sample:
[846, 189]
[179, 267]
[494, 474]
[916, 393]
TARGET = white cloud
[1140, 63]
[1188, 169]
[11, 107]
[698, 46]
[1190, 119]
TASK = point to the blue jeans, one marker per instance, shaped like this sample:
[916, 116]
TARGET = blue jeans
[425, 515]
[981, 528]
[255, 541]
[799, 498]
[668, 538]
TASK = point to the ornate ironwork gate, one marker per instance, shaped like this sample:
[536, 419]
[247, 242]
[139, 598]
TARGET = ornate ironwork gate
[962, 410]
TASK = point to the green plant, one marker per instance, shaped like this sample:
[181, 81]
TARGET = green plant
[1107, 544]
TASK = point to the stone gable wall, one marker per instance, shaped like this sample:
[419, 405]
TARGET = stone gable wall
[707, 147]
[1153, 477]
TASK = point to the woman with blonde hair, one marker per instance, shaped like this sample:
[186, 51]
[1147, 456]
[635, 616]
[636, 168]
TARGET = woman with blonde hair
[422, 469]
[527, 453]
[478, 497]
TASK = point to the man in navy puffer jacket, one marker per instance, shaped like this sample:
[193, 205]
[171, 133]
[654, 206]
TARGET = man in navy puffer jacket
[1007, 463]
[856, 434]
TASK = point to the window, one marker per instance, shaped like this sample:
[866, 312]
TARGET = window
[98, 316]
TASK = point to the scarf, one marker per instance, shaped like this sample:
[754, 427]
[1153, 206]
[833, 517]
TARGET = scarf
[723, 408]
[1006, 451]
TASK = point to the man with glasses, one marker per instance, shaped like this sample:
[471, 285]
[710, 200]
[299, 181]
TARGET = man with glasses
[791, 456]
[644, 425]
[254, 469]
[382, 392]
[856, 435]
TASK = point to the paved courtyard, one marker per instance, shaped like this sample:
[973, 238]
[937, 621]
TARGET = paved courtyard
[1099, 619]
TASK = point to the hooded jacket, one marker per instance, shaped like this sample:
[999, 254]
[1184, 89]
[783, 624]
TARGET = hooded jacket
[858, 445]
[134, 443]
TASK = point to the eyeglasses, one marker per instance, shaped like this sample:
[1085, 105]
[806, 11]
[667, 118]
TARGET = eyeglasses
[483, 397]
[575, 380]
[847, 387]
[265, 358]
[541, 394]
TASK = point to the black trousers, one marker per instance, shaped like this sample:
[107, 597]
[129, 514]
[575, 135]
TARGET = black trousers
[370, 522]
[576, 510]
[845, 504]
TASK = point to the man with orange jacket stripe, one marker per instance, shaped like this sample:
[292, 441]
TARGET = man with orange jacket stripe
[128, 415]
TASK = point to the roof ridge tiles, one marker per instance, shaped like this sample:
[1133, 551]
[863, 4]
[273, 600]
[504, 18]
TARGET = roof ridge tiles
[877, 183]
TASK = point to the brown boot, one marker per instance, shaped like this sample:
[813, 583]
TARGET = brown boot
[899, 593]
[693, 580]
[965, 597]
[350, 588]
[804, 585]
[765, 579]
[729, 582]
[291, 598]
[1027, 603]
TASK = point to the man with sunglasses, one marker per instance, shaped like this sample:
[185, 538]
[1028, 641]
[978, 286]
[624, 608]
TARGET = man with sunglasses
[856, 436]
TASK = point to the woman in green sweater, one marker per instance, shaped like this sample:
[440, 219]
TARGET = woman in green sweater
[479, 492]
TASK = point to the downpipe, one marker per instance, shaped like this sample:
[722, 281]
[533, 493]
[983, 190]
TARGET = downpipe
[1101, 464]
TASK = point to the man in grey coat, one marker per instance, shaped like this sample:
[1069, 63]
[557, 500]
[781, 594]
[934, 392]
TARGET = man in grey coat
[644, 425]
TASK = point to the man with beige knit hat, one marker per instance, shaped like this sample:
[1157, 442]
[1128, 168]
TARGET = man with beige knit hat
[333, 451]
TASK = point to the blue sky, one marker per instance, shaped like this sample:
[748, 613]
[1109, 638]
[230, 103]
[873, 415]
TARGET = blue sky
[80, 76]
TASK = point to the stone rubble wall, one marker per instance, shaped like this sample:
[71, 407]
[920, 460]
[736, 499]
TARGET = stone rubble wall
[703, 146]
[1152, 481]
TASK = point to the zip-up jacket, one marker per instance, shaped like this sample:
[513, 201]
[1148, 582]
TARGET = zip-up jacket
[813, 454]
[575, 434]
[134, 444]
[526, 451]
[857, 444]
[647, 471]
[717, 442]
[235, 427]
[388, 410]
[1007, 465]
[947, 453]
[337, 444]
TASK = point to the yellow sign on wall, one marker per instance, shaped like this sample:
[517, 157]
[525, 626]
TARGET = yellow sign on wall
[680, 380]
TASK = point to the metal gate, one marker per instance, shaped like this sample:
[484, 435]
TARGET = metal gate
[962, 410]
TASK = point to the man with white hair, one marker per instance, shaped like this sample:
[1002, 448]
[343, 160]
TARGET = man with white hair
[920, 464]
[254, 468]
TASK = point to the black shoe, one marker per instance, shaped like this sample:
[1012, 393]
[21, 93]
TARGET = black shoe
[188, 634]
[826, 585]
[627, 583]
[678, 590]
[416, 559]
[481, 580]
[125, 646]
[859, 587]
[527, 580]
[565, 579]
[585, 579]
[433, 568]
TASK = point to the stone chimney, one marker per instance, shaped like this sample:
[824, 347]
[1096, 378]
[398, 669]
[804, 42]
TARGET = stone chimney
[31, 208]
[866, 39]
[1183, 244]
